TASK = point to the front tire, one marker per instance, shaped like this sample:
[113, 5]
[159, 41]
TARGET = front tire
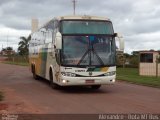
[52, 84]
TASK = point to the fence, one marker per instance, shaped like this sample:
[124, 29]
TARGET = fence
[17, 59]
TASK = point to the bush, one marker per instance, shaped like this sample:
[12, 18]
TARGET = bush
[127, 66]
[18, 58]
[1, 96]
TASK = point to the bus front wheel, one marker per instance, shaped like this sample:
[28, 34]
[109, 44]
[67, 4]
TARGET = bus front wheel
[52, 84]
[95, 87]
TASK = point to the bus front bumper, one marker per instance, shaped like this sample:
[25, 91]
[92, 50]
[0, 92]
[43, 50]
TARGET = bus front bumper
[71, 81]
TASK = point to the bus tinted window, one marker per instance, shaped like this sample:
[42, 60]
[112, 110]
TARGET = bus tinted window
[87, 27]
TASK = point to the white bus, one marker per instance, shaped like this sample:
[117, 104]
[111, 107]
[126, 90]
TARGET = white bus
[75, 50]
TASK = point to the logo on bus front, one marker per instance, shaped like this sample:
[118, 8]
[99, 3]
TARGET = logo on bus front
[90, 73]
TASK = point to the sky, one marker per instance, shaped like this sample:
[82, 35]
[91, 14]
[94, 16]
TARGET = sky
[137, 20]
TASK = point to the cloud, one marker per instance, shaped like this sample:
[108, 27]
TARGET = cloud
[145, 41]
[11, 37]
[138, 20]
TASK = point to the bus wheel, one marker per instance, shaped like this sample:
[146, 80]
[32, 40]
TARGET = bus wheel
[95, 87]
[52, 84]
[36, 77]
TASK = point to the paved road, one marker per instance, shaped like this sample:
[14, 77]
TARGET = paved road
[26, 95]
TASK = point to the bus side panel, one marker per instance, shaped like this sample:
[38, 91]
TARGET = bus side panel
[35, 59]
[50, 60]
[43, 57]
[43, 60]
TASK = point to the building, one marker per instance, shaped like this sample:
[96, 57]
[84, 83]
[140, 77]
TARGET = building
[149, 63]
[34, 24]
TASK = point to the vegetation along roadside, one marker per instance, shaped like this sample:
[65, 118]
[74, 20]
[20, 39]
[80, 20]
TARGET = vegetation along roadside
[131, 75]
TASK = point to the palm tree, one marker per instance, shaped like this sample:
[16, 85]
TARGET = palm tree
[23, 45]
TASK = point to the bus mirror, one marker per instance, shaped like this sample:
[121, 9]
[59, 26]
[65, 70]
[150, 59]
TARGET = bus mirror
[58, 40]
[115, 34]
[121, 41]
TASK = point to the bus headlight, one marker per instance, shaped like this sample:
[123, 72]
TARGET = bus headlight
[69, 74]
[110, 73]
[64, 81]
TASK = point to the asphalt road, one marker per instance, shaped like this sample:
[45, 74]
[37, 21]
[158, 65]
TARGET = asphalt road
[23, 94]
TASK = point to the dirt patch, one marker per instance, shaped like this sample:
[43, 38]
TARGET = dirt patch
[3, 106]
[15, 103]
[24, 95]
[3, 58]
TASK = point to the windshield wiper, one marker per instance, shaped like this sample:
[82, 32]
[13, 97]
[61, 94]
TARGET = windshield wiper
[94, 52]
[100, 60]
[83, 57]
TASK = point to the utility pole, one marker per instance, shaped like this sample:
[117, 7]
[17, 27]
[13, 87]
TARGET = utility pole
[74, 6]
[7, 40]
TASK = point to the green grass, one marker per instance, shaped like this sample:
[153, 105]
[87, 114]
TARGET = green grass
[17, 63]
[1, 96]
[131, 75]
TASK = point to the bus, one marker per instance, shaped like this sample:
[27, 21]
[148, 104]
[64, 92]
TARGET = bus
[75, 50]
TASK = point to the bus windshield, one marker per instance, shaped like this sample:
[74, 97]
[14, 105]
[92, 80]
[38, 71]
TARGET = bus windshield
[91, 50]
[86, 27]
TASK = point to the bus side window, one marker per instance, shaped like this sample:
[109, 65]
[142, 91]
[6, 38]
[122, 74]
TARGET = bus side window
[50, 32]
[43, 35]
[38, 40]
[48, 36]
[56, 24]
[57, 52]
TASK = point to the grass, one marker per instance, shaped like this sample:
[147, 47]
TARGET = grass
[16, 63]
[1, 96]
[131, 75]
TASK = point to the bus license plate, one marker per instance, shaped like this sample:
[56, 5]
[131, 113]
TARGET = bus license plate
[89, 81]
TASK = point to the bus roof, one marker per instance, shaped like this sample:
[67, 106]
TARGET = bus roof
[76, 17]
[82, 17]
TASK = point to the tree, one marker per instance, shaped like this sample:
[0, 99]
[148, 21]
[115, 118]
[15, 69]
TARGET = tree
[4, 49]
[135, 53]
[128, 60]
[9, 48]
[8, 51]
[23, 45]
[134, 59]
[120, 58]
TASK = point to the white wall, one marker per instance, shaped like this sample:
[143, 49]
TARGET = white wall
[149, 69]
